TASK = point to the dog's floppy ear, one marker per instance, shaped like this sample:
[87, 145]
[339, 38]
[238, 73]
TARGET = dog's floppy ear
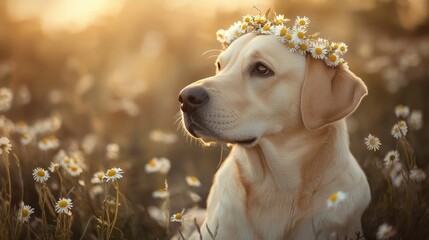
[329, 94]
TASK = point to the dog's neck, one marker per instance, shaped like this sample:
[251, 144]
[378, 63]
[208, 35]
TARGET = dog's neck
[295, 159]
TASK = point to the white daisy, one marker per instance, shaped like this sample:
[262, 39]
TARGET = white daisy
[21, 127]
[332, 60]
[280, 19]
[302, 21]
[318, 50]
[66, 161]
[304, 47]
[74, 169]
[163, 137]
[342, 48]
[416, 120]
[372, 143]
[402, 111]
[97, 177]
[6, 97]
[113, 174]
[178, 217]
[417, 175]
[24, 212]
[193, 181]
[40, 175]
[399, 130]
[53, 167]
[391, 158]
[233, 32]
[63, 205]
[385, 231]
[48, 143]
[161, 193]
[5, 146]
[221, 35]
[247, 19]
[292, 47]
[194, 196]
[280, 32]
[267, 28]
[112, 151]
[298, 34]
[259, 19]
[336, 198]
[26, 138]
[334, 46]
[161, 165]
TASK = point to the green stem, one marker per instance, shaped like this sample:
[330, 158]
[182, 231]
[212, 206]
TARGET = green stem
[9, 182]
[116, 209]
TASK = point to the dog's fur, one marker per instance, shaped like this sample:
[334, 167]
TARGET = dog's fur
[277, 186]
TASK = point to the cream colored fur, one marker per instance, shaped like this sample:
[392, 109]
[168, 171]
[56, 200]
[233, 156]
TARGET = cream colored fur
[278, 186]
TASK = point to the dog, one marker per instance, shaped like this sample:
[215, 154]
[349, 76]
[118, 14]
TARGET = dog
[285, 115]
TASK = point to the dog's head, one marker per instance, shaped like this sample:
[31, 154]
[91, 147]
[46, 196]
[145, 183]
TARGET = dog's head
[261, 89]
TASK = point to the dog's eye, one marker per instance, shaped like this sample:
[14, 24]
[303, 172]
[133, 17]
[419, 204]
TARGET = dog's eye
[262, 70]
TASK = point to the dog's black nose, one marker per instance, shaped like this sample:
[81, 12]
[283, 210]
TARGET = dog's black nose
[192, 97]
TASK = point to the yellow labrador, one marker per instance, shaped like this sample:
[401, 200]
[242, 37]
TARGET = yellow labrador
[284, 113]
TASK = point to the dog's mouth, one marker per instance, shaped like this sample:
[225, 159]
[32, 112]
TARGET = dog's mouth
[196, 129]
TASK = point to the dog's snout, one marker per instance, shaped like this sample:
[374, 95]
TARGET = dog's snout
[192, 97]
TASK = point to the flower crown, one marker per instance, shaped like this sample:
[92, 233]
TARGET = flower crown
[296, 39]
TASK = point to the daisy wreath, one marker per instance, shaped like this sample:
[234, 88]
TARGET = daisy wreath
[295, 38]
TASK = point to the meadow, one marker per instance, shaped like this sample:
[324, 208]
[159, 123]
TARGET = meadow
[90, 144]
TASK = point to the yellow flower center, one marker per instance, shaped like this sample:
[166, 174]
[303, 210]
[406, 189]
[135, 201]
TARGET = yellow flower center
[302, 22]
[243, 27]
[402, 124]
[260, 20]
[266, 27]
[45, 141]
[74, 168]
[100, 176]
[66, 160]
[178, 216]
[25, 212]
[22, 124]
[303, 47]
[193, 179]
[335, 46]
[111, 172]
[373, 141]
[300, 35]
[283, 31]
[318, 51]
[332, 58]
[291, 45]
[63, 204]
[288, 37]
[152, 163]
[247, 19]
[333, 197]
[342, 48]
[161, 190]
[40, 173]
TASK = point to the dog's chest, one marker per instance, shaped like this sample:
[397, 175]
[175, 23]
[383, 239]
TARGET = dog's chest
[271, 212]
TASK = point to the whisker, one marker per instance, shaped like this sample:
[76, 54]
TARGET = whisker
[212, 56]
[211, 50]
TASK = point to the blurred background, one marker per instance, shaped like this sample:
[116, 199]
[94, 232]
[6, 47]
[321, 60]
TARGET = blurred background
[112, 70]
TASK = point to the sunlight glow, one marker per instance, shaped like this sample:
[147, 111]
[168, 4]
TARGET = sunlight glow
[71, 15]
